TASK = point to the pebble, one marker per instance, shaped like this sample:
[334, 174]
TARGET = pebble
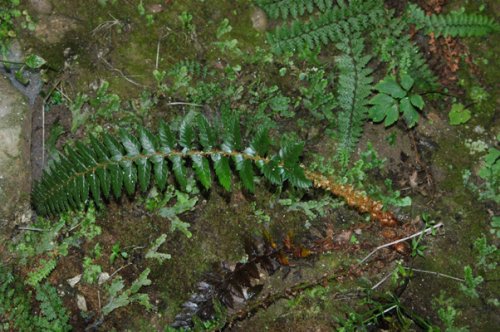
[259, 20]
[41, 6]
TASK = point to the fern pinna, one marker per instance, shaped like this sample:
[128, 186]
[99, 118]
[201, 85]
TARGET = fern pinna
[294, 8]
[105, 168]
[353, 90]
[452, 24]
[328, 27]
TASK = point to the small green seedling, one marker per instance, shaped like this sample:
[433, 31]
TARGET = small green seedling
[395, 98]
[459, 114]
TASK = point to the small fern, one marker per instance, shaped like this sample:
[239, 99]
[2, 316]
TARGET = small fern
[328, 27]
[353, 91]
[453, 24]
[393, 45]
[294, 8]
[43, 271]
[193, 68]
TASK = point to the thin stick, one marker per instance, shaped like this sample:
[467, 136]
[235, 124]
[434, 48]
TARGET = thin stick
[425, 231]
[31, 229]
[43, 134]
[383, 280]
[439, 274]
[121, 268]
[157, 53]
[179, 103]
[119, 72]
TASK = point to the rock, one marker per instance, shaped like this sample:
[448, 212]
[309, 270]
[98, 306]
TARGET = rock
[259, 20]
[81, 303]
[51, 29]
[31, 91]
[15, 170]
[73, 281]
[43, 7]
[103, 277]
[155, 8]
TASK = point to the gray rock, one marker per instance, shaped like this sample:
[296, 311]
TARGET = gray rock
[41, 6]
[15, 170]
[51, 29]
[33, 88]
[259, 20]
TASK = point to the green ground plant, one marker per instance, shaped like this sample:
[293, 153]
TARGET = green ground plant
[343, 24]
[179, 162]
[16, 306]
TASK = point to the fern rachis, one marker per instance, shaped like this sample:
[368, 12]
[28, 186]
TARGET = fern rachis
[105, 168]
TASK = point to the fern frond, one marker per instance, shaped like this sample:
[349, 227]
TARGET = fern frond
[193, 67]
[284, 8]
[109, 166]
[453, 24]
[393, 45]
[328, 27]
[353, 90]
[114, 165]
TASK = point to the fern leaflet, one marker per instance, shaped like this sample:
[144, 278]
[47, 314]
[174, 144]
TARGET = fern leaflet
[294, 8]
[328, 27]
[453, 24]
[354, 88]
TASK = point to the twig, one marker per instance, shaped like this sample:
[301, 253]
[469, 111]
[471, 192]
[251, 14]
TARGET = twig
[157, 53]
[425, 231]
[382, 280]
[31, 229]
[179, 103]
[121, 268]
[119, 72]
[439, 274]
[43, 134]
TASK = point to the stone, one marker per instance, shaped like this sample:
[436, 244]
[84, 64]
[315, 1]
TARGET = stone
[31, 91]
[81, 303]
[51, 29]
[259, 20]
[15, 168]
[43, 7]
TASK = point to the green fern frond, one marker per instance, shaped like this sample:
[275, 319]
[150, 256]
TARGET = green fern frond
[453, 24]
[412, 62]
[353, 90]
[394, 46]
[328, 27]
[112, 165]
[193, 67]
[294, 8]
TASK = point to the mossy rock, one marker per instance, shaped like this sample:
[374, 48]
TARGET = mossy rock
[15, 177]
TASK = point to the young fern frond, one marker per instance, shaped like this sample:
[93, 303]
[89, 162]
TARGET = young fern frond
[328, 27]
[294, 8]
[193, 68]
[453, 24]
[107, 166]
[353, 90]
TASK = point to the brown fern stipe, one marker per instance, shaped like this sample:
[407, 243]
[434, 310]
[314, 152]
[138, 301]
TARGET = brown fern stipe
[354, 198]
